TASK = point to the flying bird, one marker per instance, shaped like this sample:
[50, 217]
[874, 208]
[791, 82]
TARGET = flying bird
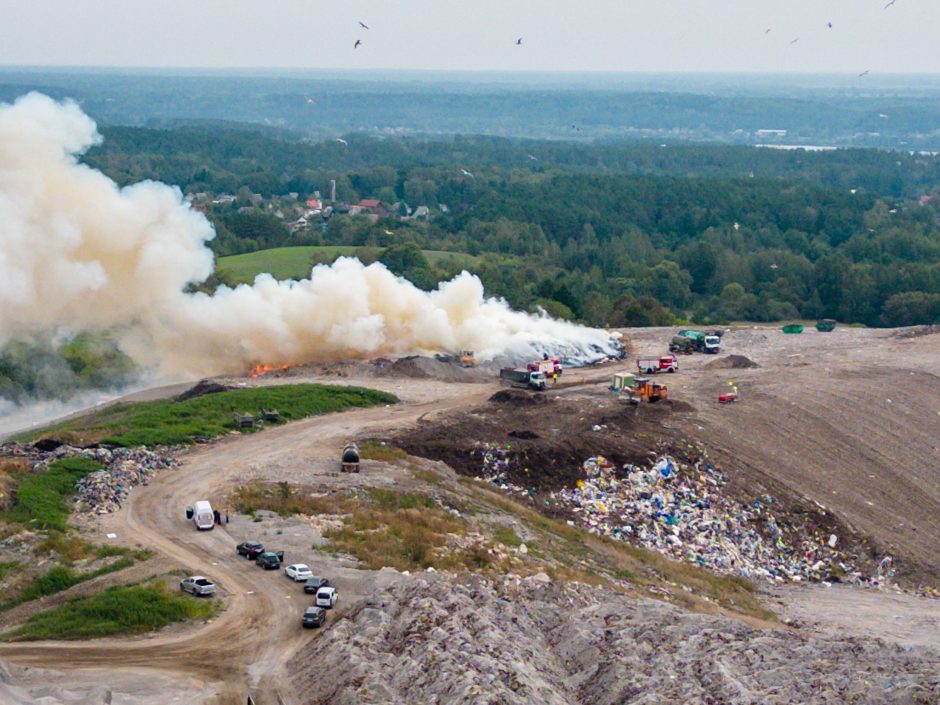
[794, 41]
[363, 24]
[519, 42]
[829, 25]
[467, 173]
[864, 73]
[767, 31]
[890, 3]
[532, 157]
[342, 141]
[356, 45]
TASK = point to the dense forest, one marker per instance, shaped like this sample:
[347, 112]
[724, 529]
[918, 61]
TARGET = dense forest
[606, 233]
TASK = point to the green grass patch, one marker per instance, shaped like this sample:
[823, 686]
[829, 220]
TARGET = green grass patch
[372, 449]
[8, 568]
[169, 422]
[63, 577]
[123, 609]
[296, 262]
[507, 536]
[42, 497]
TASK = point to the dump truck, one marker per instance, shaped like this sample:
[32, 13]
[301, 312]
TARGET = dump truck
[703, 342]
[350, 458]
[645, 389]
[652, 365]
[682, 345]
[530, 379]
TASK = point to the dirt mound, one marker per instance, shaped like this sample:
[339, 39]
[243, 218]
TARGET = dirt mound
[732, 362]
[518, 397]
[430, 640]
[201, 389]
[421, 367]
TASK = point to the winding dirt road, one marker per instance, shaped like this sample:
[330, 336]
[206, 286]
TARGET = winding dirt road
[246, 649]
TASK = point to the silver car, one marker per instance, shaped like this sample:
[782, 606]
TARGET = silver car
[197, 585]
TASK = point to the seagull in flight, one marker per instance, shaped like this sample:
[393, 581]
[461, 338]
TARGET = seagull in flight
[342, 141]
[890, 3]
[864, 73]
[467, 173]
[519, 42]
[356, 45]
[767, 31]
[532, 157]
[829, 25]
[363, 24]
[794, 41]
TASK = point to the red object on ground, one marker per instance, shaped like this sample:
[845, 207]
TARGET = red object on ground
[727, 398]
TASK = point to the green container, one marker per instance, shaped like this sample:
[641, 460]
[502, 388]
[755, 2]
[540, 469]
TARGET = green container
[793, 328]
[826, 325]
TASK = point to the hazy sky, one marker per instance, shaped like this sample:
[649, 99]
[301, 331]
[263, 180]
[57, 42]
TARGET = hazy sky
[566, 35]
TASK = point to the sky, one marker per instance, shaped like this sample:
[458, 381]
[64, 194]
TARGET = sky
[557, 35]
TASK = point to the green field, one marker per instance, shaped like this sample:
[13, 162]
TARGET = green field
[296, 262]
[170, 422]
[42, 498]
[123, 609]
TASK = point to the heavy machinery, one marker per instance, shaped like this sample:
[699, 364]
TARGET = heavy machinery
[525, 378]
[350, 458]
[622, 381]
[645, 389]
[702, 342]
[681, 344]
[467, 358]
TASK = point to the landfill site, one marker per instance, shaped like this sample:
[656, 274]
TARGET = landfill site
[751, 519]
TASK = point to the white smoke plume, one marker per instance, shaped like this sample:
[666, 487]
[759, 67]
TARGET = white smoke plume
[79, 253]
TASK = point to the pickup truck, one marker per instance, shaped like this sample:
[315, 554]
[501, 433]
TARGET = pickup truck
[270, 560]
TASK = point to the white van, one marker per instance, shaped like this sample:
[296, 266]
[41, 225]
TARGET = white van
[203, 517]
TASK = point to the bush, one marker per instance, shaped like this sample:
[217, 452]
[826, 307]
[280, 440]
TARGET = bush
[118, 610]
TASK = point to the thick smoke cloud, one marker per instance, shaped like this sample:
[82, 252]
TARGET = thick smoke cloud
[79, 253]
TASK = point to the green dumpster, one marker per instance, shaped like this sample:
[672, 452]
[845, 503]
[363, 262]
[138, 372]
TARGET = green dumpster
[791, 328]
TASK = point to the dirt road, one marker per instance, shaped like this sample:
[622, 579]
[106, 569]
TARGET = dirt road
[247, 647]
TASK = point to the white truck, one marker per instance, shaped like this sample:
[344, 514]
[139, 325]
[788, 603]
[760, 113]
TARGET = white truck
[203, 516]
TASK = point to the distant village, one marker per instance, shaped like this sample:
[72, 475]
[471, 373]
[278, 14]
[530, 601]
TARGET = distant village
[302, 216]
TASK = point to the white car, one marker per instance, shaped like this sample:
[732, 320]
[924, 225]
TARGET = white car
[298, 572]
[326, 597]
[197, 585]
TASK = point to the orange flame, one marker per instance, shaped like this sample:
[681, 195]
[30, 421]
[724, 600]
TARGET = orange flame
[262, 369]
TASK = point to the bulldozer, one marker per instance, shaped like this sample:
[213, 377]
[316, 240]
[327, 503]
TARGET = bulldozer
[467, 358]
[645, 389]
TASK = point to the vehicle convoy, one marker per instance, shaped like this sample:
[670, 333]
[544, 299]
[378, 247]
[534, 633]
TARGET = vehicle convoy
[652, 365]
[298, 572]
[314, 583]
[314, 617]
[197, 585]
[326, 597]
[202, 515]
[270, 560]
[350, 459]
[249, 549]
[525, 378]
[701, 342]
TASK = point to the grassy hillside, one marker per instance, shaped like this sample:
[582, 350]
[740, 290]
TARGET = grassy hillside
[171, 422]
[296, 262]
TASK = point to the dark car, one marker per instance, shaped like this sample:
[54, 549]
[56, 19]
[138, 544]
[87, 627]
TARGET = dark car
[270, 560]
[315, 583]
[250, 549]
[314, 617]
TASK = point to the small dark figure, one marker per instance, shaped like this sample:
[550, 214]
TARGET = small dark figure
[226, 516]
[218, 516]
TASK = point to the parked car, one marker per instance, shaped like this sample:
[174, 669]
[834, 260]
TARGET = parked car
[250, 549]
[314, 583]
[270, 560]
[197, 585]
[298, 572]
[326, 597]
[314, 617]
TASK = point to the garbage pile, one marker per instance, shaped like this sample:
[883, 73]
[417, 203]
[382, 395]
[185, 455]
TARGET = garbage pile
[102, 491]
[495, 460]
[679, 510]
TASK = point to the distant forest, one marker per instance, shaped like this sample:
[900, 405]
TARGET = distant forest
[605, 232]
